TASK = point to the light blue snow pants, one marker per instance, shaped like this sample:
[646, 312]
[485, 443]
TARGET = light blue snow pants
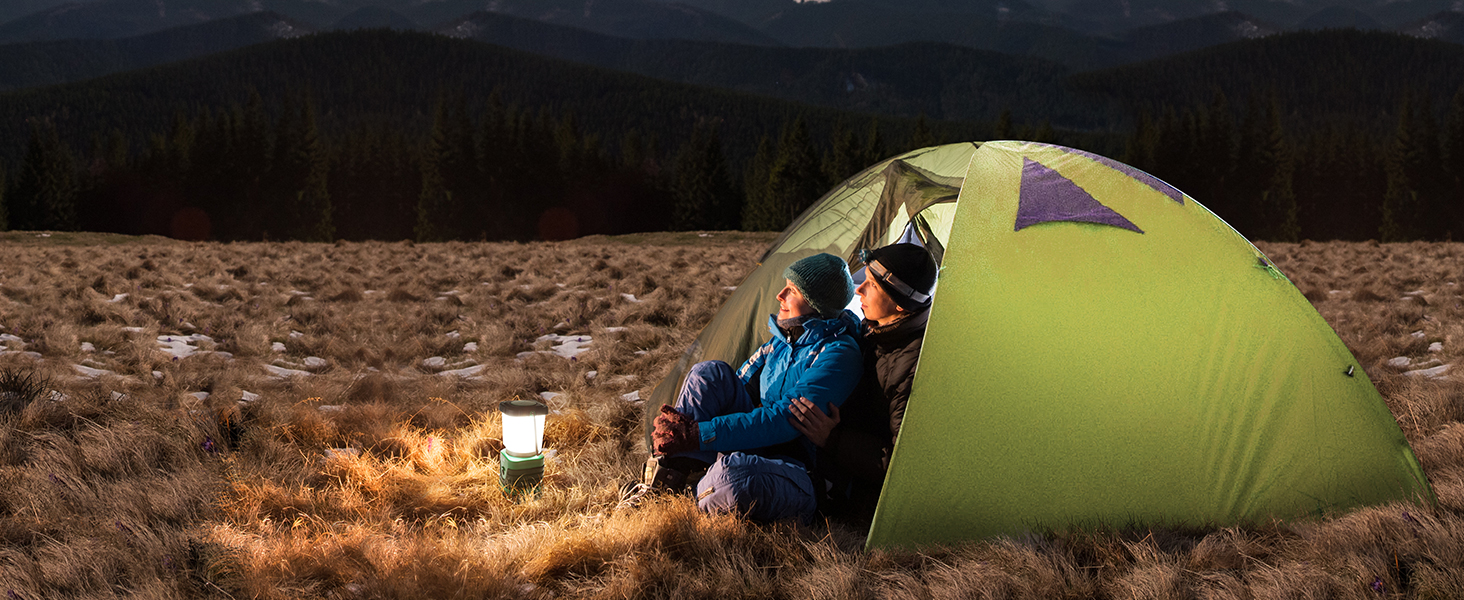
[761, 488]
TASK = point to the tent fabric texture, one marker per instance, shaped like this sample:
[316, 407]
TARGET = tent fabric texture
[1102, 352]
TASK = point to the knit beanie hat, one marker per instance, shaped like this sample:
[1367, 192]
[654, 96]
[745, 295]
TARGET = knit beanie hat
[906, 272]
[824, 281]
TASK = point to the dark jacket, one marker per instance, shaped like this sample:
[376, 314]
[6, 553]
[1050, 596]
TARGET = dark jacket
[857, 452]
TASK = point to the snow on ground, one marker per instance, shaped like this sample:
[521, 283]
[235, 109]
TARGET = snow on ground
[436, 362]
[466, 372]
[184, 346]
[567, 346]
[314, 362]
[1436, 347]
[90, 372]
[276, 372]
[277, 347]
[633, 397]
[629, 297]
[470, 347]
[1434, 373]
[117, 298]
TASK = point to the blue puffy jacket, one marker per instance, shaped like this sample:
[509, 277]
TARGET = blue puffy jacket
[824, 364]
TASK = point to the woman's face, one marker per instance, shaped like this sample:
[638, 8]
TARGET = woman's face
[791, 303]
[876, 304]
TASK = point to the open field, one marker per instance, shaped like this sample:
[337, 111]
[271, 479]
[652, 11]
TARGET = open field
[313, 420]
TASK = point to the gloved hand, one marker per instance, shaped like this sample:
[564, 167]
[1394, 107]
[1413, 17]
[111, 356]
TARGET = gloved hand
[675, 432]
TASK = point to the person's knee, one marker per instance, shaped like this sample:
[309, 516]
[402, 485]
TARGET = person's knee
[711, 369]
[760, 488]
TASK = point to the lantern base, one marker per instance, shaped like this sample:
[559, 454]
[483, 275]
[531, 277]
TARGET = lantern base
[519, 474]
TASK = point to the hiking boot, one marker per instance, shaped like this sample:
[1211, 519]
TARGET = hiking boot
[656, 479]
[659, 475]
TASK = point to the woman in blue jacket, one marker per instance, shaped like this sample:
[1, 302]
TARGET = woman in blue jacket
[756, 462]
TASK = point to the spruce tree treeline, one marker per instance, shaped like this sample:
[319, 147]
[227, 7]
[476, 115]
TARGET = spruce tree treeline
[1274, 181]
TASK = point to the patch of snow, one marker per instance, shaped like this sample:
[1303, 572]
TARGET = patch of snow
[614, 329]
[372, 292]
[182, 346]
[568, 346]
[591, 374]
[629, 297]
[132, 329]
[454, 335]
[641, 352]
[157, 374]
[283, 373]
[116, 396]
[547, 396]
[314, 362]
[186, 325]
[733, 288]
[562, 325]
[90, 372]
[247, 396]
[6, 337]
[58, 396]
[436, 362]
[117, 298]
[703, 235]
[30, 355]
[1400, 362]
[1436, 347]
[1434, 373]
[470, 347]
[1335, 292]
[449, 293]
[1417, 334]
[200, 395]
[633, 397]
[1414, 293]
[277, 347]
[466, 372]
[296, 334]
[88, 347]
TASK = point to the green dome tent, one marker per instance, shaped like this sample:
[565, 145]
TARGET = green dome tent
[1102, 351]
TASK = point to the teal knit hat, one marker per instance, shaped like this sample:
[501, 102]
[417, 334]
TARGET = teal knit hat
[824, 281]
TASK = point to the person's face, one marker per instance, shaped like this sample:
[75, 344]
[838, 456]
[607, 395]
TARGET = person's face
[876, 304]
[791, 302]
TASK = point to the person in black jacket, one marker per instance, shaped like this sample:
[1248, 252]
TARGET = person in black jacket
[855, 443]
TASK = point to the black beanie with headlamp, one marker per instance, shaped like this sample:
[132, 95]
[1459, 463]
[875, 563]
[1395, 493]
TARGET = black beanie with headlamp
[906, 273]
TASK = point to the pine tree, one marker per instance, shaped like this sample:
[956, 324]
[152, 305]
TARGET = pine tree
[874, 150]
[1452, 193]
[436, 206]
[794, 181]
[1003, 128]
[759, 211]
[1279, 199]
[4, 212]
[44, 196]
[313, 205]
[702, 190]
[921, 137]
[844, 158]
[1401, 209]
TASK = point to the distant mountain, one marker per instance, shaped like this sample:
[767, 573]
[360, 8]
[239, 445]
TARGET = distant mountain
[15, 9]
[938, 80]
[1444, 26]
[1112, 16]
[635, 19]
[361, 78]
[1317, 77]
[1339, 17]
[375, 17]
[45, 63]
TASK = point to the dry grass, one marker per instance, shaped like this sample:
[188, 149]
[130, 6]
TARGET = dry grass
[374, 476]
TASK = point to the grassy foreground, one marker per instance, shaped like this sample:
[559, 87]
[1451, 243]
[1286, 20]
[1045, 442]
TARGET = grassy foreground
[302, 421]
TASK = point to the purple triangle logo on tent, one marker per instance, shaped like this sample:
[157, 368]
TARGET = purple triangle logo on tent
[1047, 196]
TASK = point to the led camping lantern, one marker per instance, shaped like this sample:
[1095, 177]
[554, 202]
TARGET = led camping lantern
[521, 462]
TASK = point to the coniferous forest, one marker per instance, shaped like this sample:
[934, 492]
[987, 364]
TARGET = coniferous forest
[388, 135]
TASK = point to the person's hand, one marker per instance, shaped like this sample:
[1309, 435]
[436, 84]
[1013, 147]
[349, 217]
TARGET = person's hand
[675, 432]
[812, 422]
